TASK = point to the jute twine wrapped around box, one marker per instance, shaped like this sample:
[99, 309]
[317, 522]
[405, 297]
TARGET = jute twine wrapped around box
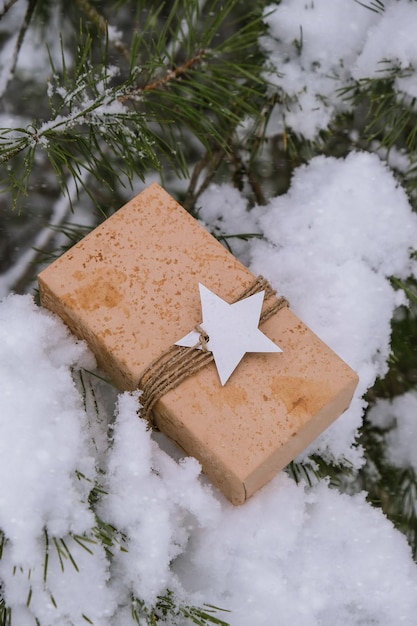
[177, 363]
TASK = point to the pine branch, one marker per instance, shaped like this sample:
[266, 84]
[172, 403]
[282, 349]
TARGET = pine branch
[167, 606]
[116, 129]
[169, 77]
[377, 6]
[391, 115]
[207, 165]
[316, 468]
[5, 613]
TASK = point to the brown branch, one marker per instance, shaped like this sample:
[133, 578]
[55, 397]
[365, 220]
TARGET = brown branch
[170, 76]
[246, 170]
[210, 161]
[175, 73]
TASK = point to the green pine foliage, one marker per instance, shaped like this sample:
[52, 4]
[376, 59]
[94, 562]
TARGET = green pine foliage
[111, 119]
[167, 607]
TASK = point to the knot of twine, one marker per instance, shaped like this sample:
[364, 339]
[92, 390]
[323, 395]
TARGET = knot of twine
[177, 363]
[203, 339]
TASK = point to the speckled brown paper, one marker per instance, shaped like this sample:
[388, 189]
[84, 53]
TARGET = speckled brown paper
[130, 289]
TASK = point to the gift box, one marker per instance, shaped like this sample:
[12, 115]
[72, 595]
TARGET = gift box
[131, 289]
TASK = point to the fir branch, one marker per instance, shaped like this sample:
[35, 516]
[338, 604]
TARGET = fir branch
[84, 542]
[63, 553]
[316, 468]
[170, 76]
[209, 164]
[5, 613]
[377, 6]
[244, 170]
[167, 606]
[175, 45]
[109, 537]
[83, 114]
[102, 532]
[77, 140]
[391, 115]
[114, 129]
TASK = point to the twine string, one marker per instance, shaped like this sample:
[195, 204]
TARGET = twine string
[203, 338]
[177, 363]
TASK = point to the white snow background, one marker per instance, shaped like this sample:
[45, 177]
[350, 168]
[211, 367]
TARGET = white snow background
[293, 554]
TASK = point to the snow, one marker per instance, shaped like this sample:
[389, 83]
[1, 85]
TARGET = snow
[315, 49]
[39, 447]
[153, 500]
[311, 47]
[310, 557]
[50, 459]
[43, 445]
[398, 417]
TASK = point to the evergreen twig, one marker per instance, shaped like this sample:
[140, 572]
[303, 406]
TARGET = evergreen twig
[167, 606]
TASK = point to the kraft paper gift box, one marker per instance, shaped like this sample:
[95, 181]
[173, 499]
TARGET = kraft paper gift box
[130, 289]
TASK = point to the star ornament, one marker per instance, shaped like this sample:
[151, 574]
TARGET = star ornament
[232, 330]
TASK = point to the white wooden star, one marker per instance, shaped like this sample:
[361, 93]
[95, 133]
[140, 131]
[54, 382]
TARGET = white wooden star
[232, 330]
